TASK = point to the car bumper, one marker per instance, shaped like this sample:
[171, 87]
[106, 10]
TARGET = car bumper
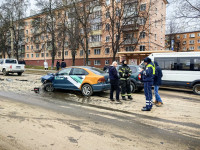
[15, 71]
[100, 87]
[140, 84]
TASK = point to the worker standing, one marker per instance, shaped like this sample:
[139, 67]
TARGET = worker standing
[125, 73]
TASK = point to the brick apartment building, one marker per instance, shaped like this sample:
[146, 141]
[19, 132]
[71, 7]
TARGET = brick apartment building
[183, 42]
[151, 39]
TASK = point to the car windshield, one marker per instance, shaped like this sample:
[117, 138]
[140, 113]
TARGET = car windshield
[10, 61]
[96, 70]
[133, 68]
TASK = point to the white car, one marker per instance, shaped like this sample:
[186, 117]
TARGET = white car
[11, 66]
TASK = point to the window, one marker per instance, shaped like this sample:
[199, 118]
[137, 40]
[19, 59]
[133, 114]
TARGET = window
[141, 21]
[27, 55]
[198, 40]
[26, 31]
[97, 51]
[95, 27]
[155, 37]
[178, 36]
[65, 71]
[167, 63]
[89, 62]
[142, 7]
[184, 42]
[191, 48]
[81, 52]
[192, 35]
[37, 55]
[184, 48]
[42, 54]
[37, 46]
[66, 53]
[118, 12]
[88, 51]
[184, 64]
[107, 50]
[198, 47]
[191, 41]
[129, 48]
[79, 71]
[107, 2]
[156, 11]
[107, 62]
[155, 23]
[134, 69]
[107, 38]
[142, 47]
[95, 38]
[27, 47]
[185, 36]
[27, 40]
[142, 35]
[10, 61]
[198, 34]
[32, 55]
[97, 62]
[107, 27]
[47, 54]
[107, 14]
[197, 64]
[42, 37]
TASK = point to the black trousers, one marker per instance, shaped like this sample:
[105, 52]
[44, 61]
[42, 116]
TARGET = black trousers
[114, 87]
[126, 87]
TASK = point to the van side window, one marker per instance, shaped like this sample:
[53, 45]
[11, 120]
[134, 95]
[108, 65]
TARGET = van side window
[197, 64]
[184, 64]
[167, 63]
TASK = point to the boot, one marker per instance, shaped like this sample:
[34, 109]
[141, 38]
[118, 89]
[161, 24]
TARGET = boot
[155, 102]
[123, 98]
[159, 104]
[130, 97]
[145, 109]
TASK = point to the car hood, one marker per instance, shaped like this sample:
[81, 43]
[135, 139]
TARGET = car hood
[48, 77]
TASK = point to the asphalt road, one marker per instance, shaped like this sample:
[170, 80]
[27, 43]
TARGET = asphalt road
[132, 127]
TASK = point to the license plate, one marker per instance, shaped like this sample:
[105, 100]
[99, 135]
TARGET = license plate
[18, 67]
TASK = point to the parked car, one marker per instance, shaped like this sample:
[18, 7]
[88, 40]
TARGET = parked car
[77, 78]
[11, 66]
[136, 84]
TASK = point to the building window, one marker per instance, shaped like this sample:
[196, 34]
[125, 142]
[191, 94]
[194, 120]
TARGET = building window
[155, 23]
[107, 62]
[155, 37]
[47, 54]
[185, 36]
[27, 40]
[97, 62]
[198, 34]
[27, 47]
[107, 27]
[42, 54]
[32, 47]
[198, 40]
[142, 48]
[37, 55]
[32, 55]
[26, 31]
[184, 48]
[107, 38]
[37, 46]
[107, 2]
[142, 7]
[191, 48]
[107, 14]
[95, 38]
[66, 53]
[89, 62]
[142, 35]
[27, 55]
[107, 50]
[81, 52]
[178, 36]
[198, 47]
[118, 12]
[129, 48]
[156, 11]
[191, 41]
[192, 35]
[97, 51]
[184, 42]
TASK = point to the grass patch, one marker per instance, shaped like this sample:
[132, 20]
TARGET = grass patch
[37, 67]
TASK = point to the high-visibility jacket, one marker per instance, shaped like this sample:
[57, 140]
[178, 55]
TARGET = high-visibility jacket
[124, 72]
[148, 73]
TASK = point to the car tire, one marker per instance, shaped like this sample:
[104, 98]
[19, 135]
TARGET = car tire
[87, 90]
[196, 89]
[48, 87]
[19, 73]
[133, 87]
[4, 72]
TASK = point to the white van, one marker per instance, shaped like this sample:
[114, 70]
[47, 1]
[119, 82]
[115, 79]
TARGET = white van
[180, 69]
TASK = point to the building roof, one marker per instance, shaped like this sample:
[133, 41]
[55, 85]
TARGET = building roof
[145, 52]
[183, 32]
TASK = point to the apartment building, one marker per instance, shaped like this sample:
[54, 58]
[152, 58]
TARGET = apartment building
[137, 38]
[183, 42]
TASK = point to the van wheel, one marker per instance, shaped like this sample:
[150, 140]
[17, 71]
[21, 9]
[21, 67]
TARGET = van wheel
[87, 90]
[4, 72]
[133, 87]
[48, 87]
[196, 89]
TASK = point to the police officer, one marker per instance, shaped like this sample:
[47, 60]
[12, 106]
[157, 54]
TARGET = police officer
[148, 77]
[125, 73]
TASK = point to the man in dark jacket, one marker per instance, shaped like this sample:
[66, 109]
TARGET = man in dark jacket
[114, 81]
[148, 78]
[63, 64]
[157, 83]
[57, 65]
[125, 73]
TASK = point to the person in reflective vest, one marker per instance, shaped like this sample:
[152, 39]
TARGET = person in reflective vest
[125, 73]
[148, 78]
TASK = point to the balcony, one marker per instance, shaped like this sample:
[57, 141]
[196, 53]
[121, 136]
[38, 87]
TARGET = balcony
[130, 27]
[130, 41]
[37, 50]
[95, 44]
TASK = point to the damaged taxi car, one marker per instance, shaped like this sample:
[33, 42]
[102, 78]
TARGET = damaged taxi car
[84, 79]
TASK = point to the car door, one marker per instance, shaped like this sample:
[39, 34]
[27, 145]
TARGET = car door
[77, 77]
[61, 79]
[1, 64]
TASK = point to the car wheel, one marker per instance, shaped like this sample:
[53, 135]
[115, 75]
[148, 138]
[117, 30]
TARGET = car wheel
[133, 87]
[48, 87]
[139, 89]
[196, 89]
[87, 90]
[4, 72]
[19, 73]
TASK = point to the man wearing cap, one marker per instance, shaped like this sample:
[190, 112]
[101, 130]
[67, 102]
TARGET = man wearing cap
[125, 73]
[148, 78]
